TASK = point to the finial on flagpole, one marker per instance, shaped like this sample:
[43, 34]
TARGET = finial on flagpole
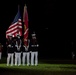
[25, 6]
[25, 10]
[18, 6]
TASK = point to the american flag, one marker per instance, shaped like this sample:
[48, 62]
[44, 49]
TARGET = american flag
[16, 26]
[25, 20]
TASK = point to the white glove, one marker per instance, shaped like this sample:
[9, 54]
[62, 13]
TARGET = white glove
[37, 45]
[30, 51]
[9, 45]
[32, 45]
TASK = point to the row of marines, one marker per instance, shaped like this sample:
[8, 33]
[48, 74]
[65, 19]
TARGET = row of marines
[18, 53]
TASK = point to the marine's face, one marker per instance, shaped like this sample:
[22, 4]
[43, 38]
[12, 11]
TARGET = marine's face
[18, 37]
[10, 37]
[33, 37]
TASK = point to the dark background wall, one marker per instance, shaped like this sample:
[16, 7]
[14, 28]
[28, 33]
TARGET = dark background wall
[52, 20]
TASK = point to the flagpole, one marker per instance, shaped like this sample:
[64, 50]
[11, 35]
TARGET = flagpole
[18, 7]
[22, 25]
[25, 22]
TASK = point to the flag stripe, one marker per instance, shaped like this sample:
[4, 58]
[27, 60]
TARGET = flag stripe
[12, 32]
[13, 28]
[19, 22]
[26, 31]
[25, 20]
[16, 26]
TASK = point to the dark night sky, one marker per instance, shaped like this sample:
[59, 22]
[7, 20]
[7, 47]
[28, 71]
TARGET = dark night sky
[53, 22]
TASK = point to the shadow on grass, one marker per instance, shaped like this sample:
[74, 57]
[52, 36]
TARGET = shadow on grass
[57, 61]
[15, 71]
[4, 71]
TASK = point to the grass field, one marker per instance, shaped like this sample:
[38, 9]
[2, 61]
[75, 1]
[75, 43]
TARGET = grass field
[41, 69]
[45, 67]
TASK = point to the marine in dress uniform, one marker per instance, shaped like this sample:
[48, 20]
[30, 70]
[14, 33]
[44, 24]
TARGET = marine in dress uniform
[18, 49]
[73, 54]
[1, 47]
[10, 50]
[26, 55]
[34, 50]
